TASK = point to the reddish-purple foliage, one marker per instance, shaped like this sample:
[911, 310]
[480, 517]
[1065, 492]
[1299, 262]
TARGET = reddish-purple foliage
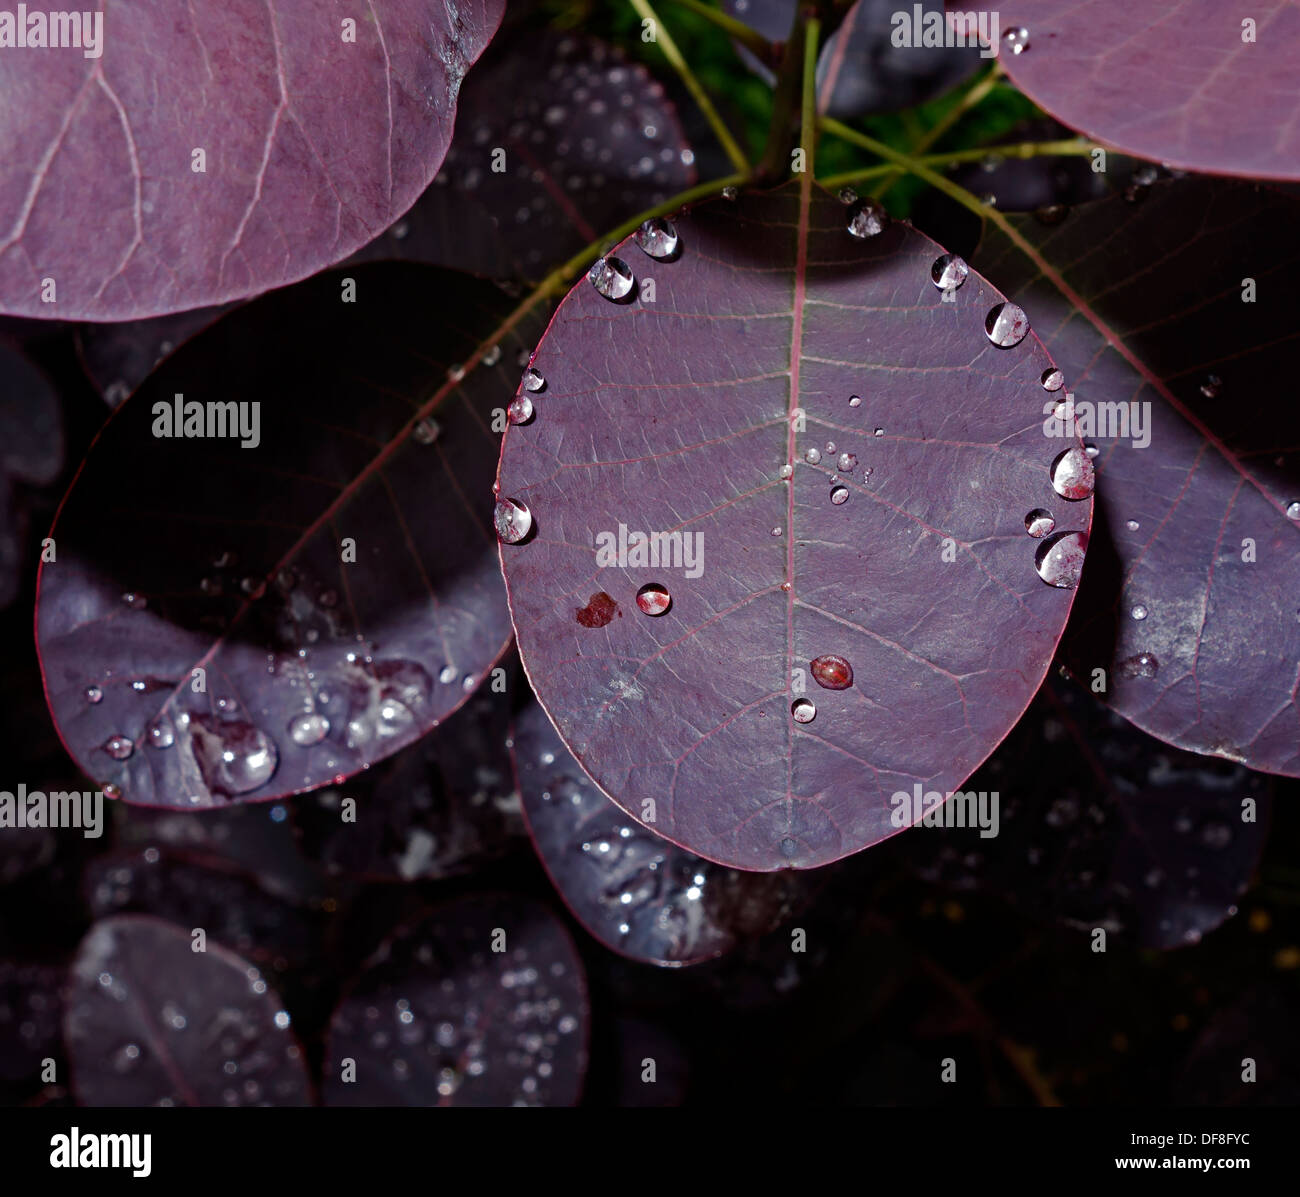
[778, 343]
[101, 191]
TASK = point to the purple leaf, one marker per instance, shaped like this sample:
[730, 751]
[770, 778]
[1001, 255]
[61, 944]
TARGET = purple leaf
[859, 69]
[444, 1018]
[207, 555]
[295, 174]
[1181, 85]
[634, 891]
[904, 546]
[1191, 585]
[436, 809]
[151, 1022]
[584, 139]
[1099, 825]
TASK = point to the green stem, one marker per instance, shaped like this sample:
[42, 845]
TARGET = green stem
[736, 30]
[808, 106]
[665, 42]
[1024, 149]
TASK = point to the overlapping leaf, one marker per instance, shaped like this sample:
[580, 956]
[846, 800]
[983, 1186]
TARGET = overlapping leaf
[1194, 84]
[103, 195]
[775, 343]
[334, 585]
[1190, 598]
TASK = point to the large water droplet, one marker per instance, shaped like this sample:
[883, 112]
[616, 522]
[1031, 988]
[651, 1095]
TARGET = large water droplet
[1139, 612]
[657, 238]
[1293, 510]
[1059, 559]
[1039, 523]
[1072, 474]
[803, 710]
[847, 463]
[813, 456]
[612, 278]
[161, 733]
[839, 495]
[94, 694]
[513, 520]
[868, 219]
[1017, 39]
[533, 381]
[118, 747]
[855, 400]
[308, 728]
[949, 272]
[653, 599]
[1006, 325]
[787, 470]
[234, 757]
[832, 672]
[1140, 665]
[520, 410]
[1053, 379]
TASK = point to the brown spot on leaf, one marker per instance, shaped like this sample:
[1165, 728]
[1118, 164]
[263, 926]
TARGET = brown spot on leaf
[600, 609]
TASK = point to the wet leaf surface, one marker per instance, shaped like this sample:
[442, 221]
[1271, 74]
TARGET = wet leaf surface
[440, 1018]
[294, 175]
[1189, 601]
[710, 413]
[325, 581]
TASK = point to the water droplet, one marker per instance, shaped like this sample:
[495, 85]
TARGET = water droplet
[1017, 39]
[855, 400]
[612, 278]
[813, 456]
[118, 747]
[787, 470]
[830, 446]
[1051, 214]
[803, 710]
[847, 195]
[112, 792]
[1039, 523]
[868, 219]
[777, 530]
[513, 520]
[1053, 379]
[657, 238]
[520, 410]
[1141, 665]
[234, 757]
[840, 495]
[949, 272]
[878, 432]
[455, 373]
[134, 601]
[1211, 386]
[1072, 474]
[161, 733]
[653, 599]
[729, 193]
[308, 728]
[94, 694]
[1059, 559]
[832, 672]
[426, 431]
[1139, 612]
[1293, 510]
[1132, 525]
[533, 381]
[847, 463]
[788, 847]
[1006, 325]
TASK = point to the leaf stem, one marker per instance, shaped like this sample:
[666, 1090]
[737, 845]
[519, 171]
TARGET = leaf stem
[737, 30]
[808, 104]
[665, 42]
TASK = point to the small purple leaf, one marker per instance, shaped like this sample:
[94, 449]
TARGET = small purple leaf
[204, 158]
[483, 1003]
[889, 532]
[151, 1022]
[228, 623]
[634, 891]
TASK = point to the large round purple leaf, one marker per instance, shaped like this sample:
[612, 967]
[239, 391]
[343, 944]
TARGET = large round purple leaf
[860, 69]
[842, 464]
[1195, 84]
[149, 1021]
[1191, 586]
[1099, 825]
[559, 138]
[635, 891]
[483, 1003]
[200, 156]
[335, 582]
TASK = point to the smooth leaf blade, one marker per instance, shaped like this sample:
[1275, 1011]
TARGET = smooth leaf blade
[1192, 581]
[295, 174]
[1179, 84]
[678, 416]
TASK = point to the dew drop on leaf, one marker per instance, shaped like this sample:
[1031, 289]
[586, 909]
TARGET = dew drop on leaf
[847, 463]
[118, 747]
[94, 694]
[657, 238]
[840, 495]
[1140, 665]
[1039, 523]
[612, 278]
[426, 431]
[1072, 474]
[308, 728]
[868, 219]
[813, 456]
[1006, 325]
[1059, 559]
[1053, 379]
[653, 599]
[1017, 39]
[832, 672]
[855, 400]
[520, 410]
[949, 272]
[533, 381]
[1139, 612]
[513, 520]
[803, 710]
[1293, 510]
